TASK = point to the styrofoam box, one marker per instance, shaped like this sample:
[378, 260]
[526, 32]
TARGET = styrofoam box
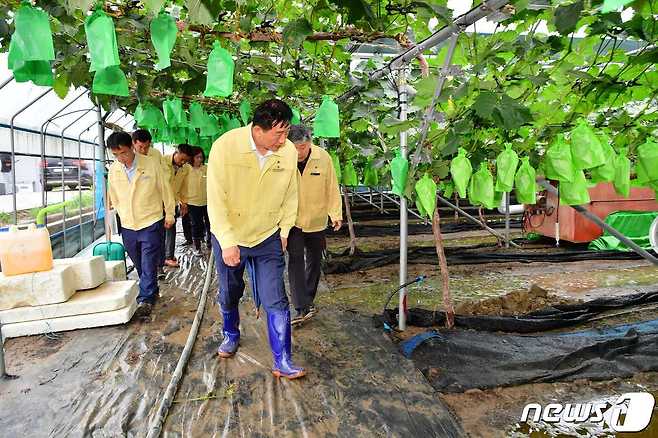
[115, 270]
[37, 288]
[109, 296]
[101, 319]
[89, 271]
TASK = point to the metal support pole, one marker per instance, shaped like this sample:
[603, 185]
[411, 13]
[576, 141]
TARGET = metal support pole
[100, 154]
[458, 25]
[13, 148]
[507, 200]
[42, 131]
[369, 202]
[444, 201]
[395, 201]
[61, 137]
[402, 312]
[597, 220]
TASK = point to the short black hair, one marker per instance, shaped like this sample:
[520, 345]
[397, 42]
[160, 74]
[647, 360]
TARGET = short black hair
[299, 134]
[118, 139]
[186, 149]
[271, 113]
[142, 135]
[197, 150]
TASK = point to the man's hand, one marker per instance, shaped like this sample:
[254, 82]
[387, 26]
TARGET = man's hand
[231, 256]
[337, 224]
[168, 223]
[183, 209]
[284, 243]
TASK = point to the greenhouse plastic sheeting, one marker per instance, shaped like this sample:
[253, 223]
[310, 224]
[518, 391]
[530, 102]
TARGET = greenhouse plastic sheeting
[109, 381]
[458, 360]
[550, 318]
[633, 224]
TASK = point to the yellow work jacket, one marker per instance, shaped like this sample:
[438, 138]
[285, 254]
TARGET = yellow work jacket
[196, 186]
[177, 178]
[154, 153]
[140, 202]
[246, 205]
[319, 195]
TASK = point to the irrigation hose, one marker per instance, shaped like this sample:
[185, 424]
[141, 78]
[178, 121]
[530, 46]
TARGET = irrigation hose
[418, 279]
[155, 428]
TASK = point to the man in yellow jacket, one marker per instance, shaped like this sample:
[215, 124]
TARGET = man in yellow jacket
[252, 205]
[140, 193]
[319, 199]
[143, 144]
[176, 170]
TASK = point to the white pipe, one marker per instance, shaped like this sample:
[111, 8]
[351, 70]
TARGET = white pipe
[513, 209]
[402, 318]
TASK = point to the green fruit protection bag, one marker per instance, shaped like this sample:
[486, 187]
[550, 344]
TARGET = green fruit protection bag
[586, 149]
[349, 175]
[370, 176]
[622, 181]
[173, 113]
[327, 120]
[447, 189]
[606, 171]
[39, 72]
[198, 116]
[641, 177]
[31, 47]
[101, 40]
[233, 123]
[506, 164]
[399, 173]
[296, 118]
[111, 80]
[483, 187]
[32, 38]
[426, 192]
[461, 171]
[221, 67]
[558, 162]
[163, 37]
[575, 192]
[526, 183]
[647, 158]
[192, 137]
[245, 111]
[419, 207]
[336, 162]
[179, 135]
[211, 128]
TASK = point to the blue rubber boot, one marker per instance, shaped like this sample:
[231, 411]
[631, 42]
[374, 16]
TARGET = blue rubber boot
[231, 330]
[278, 324]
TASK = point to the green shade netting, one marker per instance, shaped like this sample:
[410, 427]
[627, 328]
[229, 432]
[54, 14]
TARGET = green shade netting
[633, 224]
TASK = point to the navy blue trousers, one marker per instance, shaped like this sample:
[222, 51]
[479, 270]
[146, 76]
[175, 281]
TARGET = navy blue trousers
[144, 248]
[265, 264]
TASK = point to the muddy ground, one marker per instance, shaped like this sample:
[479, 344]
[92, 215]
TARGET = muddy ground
[116, 375]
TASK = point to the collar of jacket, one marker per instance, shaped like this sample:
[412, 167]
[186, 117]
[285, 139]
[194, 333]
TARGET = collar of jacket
[315, 152]
[244, 143]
